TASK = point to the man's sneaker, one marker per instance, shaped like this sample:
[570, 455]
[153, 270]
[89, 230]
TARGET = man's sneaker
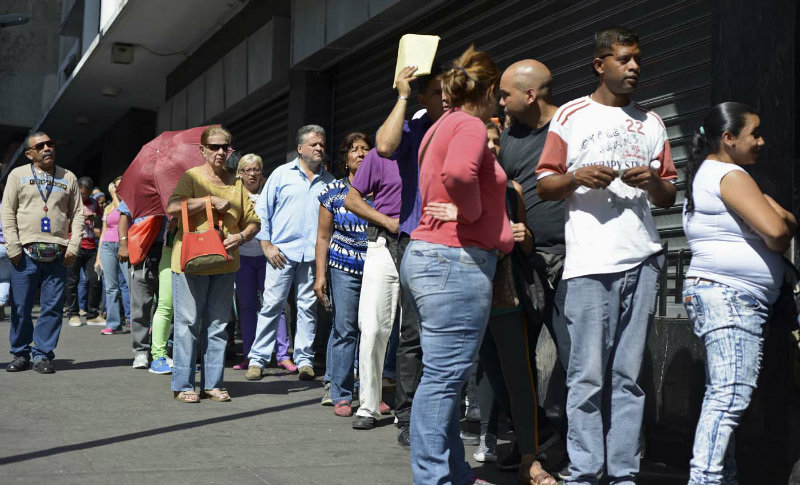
[363, 422]
[160, 366]
[111, 331]
[326, 398]
[564, 473]
[487, 449]
[253, 373]
[98, 320]
[141, 361]
[19, 363]
[306, 373]
[75, 321]
[473, 414]
[343, 409]
[470, 438]
[44, 366]
[511, 461]
[404, 436]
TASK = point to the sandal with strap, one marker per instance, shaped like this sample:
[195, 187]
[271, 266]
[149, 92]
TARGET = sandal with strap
[216, 394]
[186, 396]
[534, 474]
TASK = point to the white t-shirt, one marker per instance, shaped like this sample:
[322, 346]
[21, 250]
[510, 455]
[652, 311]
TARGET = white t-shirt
[607, 230]
[725, 249]
[251, 248]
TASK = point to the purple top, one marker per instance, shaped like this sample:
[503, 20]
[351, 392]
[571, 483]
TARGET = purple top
[407, 160]
[380, 176]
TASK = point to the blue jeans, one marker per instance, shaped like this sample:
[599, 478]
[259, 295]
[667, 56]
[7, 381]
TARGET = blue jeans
[27, 277]
[5, 276]
[277, 284]
[200, 300]
[345, 290]
[731, 324]
[450, 289]
[607, 318]
[111, 281]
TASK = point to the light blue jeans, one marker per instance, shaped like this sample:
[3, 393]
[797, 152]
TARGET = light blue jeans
[343, 343]
[607, 318]
[5, 276]
[277, 284]
[451, 290]
[111, 282]
[202, 308]
[731, 324]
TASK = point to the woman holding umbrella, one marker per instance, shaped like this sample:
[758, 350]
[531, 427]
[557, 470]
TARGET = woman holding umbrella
[204, 298]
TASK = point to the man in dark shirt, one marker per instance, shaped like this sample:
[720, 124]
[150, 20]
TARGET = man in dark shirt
[525, 97]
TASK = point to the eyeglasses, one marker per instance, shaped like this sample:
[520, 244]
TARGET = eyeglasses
[214, 147]
[38, 147]
[250, 171]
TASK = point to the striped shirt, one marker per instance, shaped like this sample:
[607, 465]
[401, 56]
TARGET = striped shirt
[349, 241]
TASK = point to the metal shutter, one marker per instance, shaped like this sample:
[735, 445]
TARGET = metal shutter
[263, 131]
[675, 83]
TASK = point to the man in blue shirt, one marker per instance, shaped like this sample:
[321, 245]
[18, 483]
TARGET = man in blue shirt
[289, 211]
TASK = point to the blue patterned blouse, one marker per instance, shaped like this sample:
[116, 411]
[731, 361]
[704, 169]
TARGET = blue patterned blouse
[349, 241]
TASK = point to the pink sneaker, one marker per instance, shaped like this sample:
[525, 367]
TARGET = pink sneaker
[343, 409]
[288, 365]
[384, 408]
[243, 365]
[110, 331]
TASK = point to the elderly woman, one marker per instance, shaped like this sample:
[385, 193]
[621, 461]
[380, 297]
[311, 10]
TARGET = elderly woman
[250, 277]
[205, 296]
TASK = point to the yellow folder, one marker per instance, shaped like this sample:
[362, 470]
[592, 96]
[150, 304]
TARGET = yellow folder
[416, 50]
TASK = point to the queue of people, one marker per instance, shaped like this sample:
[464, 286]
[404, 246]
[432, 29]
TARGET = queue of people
[467, 236]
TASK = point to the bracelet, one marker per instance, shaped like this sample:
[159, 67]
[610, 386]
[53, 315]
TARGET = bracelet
[241, 236]
[123, 238]
[405, 98]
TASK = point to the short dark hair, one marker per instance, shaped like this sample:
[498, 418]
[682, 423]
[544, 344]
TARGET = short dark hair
[424, 81]
[85, 183]
[605, 39]
[34, 135]
[349, 140]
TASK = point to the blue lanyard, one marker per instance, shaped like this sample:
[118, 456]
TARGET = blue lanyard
[49, 182]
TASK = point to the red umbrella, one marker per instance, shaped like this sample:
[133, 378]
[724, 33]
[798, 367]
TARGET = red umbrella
[151, 178]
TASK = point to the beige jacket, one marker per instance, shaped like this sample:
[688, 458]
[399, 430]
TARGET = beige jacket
[22, 210]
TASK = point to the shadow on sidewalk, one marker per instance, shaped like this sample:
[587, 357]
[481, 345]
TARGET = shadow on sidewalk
[69, 364]
[144, 434]
[247, 388]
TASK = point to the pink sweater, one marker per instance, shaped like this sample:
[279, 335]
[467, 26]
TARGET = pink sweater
[459, 167]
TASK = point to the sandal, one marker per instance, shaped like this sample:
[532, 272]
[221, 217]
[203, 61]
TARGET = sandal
[534, 474]
[219, 395]
[186, 396]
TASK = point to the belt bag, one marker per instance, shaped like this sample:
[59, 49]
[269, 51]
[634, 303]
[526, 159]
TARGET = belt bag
[43, 252]
[202, 252]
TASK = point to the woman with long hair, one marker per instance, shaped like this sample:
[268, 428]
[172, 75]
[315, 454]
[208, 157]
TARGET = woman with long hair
[204, 297]
[340, 250]
[736, 234]
[449, 264]
[115, 273]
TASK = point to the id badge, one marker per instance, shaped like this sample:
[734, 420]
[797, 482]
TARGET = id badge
[45, 224]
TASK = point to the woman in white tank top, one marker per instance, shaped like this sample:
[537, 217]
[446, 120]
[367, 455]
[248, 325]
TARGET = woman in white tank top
[736, 234]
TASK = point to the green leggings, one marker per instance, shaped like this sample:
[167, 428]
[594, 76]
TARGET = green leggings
[162, 320]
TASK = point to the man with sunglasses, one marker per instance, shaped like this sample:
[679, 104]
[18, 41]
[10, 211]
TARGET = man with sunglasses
[608, 158]
[42, 216]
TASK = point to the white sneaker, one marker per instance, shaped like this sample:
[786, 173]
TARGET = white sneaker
[487, 449]
[75, 321]
[141, 361]
[169, 361]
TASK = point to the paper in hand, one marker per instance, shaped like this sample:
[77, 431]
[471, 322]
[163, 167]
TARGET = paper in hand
[416, 50]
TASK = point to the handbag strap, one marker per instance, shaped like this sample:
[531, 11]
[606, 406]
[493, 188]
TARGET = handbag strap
[187, 227]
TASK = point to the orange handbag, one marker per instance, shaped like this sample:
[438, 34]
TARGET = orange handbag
[141, 236]
[201, 252]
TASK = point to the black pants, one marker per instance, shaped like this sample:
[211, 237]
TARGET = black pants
[409, 350]
[85, 260]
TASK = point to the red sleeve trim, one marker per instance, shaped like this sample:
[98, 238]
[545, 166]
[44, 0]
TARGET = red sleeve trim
[554, 155]
[667, 169]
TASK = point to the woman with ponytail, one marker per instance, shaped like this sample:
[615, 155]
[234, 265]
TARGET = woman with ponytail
[450, 262]
[736, 234]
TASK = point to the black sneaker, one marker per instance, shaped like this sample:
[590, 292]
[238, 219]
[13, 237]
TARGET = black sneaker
[363, 422]
[19, 363]
[44, 366]
[563, 473]
[470, 438]
[511, 461]
[403, 437]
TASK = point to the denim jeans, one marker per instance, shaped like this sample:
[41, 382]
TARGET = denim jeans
[26, 278]
[277, 284]
[5, 276]
[607, 317]
[451, 289]
[731, 324]
[345, 290]
[111, 279]
[202, 310]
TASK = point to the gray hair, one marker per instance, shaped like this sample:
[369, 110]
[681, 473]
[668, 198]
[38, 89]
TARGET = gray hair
[85, 182]
[34, 135]
[303, 132]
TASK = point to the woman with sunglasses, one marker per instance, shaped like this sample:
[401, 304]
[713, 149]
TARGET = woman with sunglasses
[204, 298]
[250, 277]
